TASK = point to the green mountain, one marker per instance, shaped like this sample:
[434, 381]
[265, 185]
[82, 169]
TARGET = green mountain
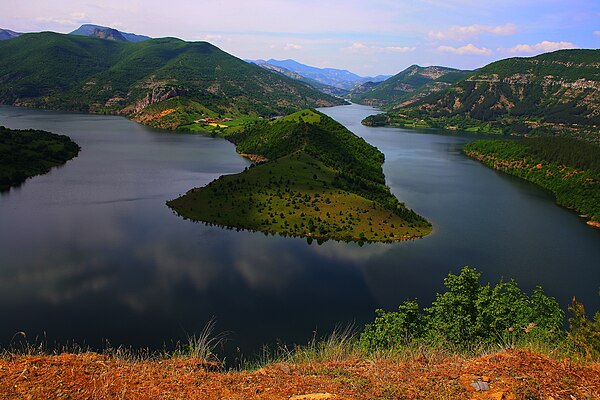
[550, 94]
[315, 179]
[69, 72]
[409, 85]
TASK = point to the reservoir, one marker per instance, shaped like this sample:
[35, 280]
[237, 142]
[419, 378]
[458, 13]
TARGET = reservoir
[90, 254]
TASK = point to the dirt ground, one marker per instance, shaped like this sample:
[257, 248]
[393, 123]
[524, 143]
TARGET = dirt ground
[508, 375]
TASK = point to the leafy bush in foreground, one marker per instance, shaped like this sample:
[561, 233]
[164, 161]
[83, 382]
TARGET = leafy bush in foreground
[468, 313]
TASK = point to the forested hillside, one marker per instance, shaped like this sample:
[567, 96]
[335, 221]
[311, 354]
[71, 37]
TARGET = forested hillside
[69, 72]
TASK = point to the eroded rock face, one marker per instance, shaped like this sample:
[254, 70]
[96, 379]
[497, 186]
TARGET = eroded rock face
[158, 94]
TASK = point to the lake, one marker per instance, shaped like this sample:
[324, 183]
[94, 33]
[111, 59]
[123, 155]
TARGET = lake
[90, 254]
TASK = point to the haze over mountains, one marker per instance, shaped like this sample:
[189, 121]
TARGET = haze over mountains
[8, 34]
[338, 78]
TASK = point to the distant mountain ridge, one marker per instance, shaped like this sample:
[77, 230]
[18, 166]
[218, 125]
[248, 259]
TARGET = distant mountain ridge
[164, 82]
[104, 32]
[8, 34]
[412, 83]
[331, 90]
[338, 78]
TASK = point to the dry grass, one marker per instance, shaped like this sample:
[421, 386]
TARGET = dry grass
[512, 374]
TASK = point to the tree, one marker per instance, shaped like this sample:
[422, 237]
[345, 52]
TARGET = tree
[467, 313]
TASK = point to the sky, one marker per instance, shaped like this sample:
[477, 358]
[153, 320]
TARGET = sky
[367, 37]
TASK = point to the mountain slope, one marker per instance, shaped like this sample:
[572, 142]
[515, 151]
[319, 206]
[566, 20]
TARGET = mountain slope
[78, 73]
[553, 93]
[8, 34]
[104, 32]
[413, 80]
[338, 78]
[563, 86]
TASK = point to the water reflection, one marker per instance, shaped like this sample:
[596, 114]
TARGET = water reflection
[91, 252]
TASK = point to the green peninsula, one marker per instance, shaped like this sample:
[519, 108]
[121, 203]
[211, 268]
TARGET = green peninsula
[314, 179]
[26, 153]
[568, 168]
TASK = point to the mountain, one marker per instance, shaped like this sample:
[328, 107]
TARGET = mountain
[8, 34]
[331, 90]
[554, 93]
[413, 80]
[358, 91]
[161, 82]
[339, 78]
[104, 32]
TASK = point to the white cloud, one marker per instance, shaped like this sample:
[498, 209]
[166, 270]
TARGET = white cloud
[469, 49]
[597, 33]
[358, 47]
[460, 32]
[75, 18]
[292, 46]
[541, 47]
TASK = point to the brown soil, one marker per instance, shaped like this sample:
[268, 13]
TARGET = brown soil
[513, 374]
[254, 157]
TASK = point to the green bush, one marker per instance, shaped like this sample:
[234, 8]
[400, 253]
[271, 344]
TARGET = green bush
[468, 313]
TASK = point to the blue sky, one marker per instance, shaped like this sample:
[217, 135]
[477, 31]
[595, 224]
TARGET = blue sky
[367, 37]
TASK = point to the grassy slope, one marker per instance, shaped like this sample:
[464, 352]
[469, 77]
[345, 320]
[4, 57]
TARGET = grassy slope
[321, 181]
[90, 74]
[543, 95]
[26, 153]
[568, 168]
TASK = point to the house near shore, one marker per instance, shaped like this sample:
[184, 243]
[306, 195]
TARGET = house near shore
[212, 120]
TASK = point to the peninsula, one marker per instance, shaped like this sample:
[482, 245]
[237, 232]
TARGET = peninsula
[316, 180]
[26, 153]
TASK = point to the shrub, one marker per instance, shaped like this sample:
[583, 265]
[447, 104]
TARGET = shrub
[468, 313]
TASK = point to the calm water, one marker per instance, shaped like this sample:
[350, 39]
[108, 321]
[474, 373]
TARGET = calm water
[90, 253]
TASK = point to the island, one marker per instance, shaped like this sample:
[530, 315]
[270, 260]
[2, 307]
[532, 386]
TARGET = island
[311, 178]
[568, 168]
[26, 153]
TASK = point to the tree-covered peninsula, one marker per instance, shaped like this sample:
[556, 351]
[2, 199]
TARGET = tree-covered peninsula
[314, 179]
[568, 168]
[26, 153]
